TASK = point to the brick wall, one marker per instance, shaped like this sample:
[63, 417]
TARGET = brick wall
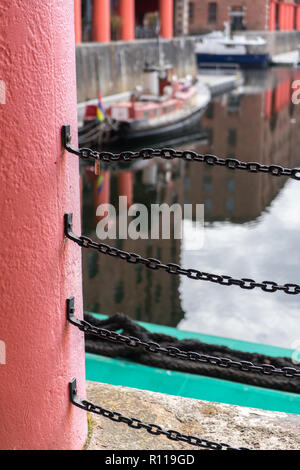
[255, 14]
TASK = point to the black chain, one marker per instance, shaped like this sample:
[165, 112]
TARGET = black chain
[171, 268]
[152, 429]
[169, 154]
[151, 347]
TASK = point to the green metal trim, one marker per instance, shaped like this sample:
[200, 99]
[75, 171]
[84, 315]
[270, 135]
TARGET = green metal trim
[117, 371]
[130, 374]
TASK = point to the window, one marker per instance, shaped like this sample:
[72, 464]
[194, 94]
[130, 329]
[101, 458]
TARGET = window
[212, 12]
[230, 185]
[230, 205]
[191, 11]
[237, 18]
[232, 137]
[209, 135]
[119, 292]
[92, 265]
[210, 111]
[187, 182]
[207, 184]
[208, 205]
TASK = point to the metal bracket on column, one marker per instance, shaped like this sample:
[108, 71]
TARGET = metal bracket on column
[68, 224]
[74, 398]
[70, 314]
[66, 140]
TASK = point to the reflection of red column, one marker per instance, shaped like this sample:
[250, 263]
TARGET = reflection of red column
[282, 95]
[166, 18]
[277, 98]
[101, 20]
[128, 20]
[125, 186]
[40, 268]
[268, 103]
[77, 21]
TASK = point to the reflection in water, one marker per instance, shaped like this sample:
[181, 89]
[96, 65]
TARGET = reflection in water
[252, 223]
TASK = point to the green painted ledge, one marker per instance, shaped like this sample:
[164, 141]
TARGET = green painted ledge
[130, 374]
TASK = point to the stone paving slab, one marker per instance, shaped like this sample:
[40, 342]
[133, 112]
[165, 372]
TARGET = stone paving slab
[234, 425]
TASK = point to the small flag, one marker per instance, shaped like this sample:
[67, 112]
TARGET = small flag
[100, 109]
[100, 182]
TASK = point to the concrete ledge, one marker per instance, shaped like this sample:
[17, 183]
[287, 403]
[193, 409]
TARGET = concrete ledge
[234, 425]
[117, 67]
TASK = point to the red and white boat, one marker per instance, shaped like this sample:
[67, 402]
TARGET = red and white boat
[164, 107]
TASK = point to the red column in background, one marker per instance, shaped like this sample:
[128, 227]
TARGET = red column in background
[77, 21]
[282, 17]
[272, 19]
[298, 17]
[127, 13]
[294, 16]
[290, 16]
[286, 17]
[40, 269]
[166, 18]
[101, 20]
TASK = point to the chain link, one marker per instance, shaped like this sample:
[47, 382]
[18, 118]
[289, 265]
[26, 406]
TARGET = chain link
[154, 348]
[175, 269]
[187, 155]
[156, 430]
[152, 429]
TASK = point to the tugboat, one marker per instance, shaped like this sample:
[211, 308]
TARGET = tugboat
[223, 48]
[163, 108]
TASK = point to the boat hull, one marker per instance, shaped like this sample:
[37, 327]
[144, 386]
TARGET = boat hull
[243, 60]
[134, 131]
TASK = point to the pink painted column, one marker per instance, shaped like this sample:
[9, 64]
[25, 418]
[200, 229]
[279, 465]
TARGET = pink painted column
[77, 21]
[101, 20]
[166, 11]
[127, 9]
[40, 269]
